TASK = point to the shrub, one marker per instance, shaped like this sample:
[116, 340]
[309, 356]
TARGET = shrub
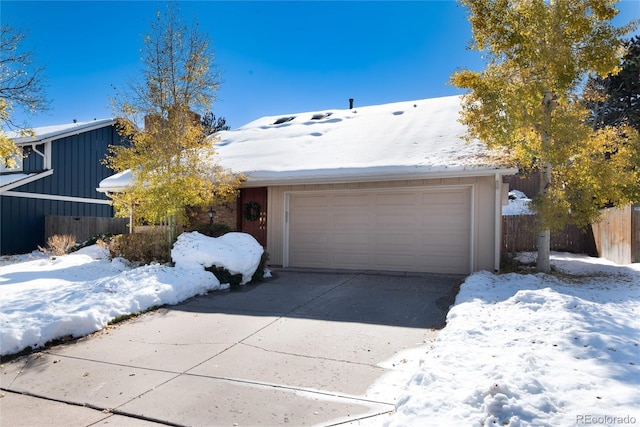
[224, 276]
[259, 274]
[212, 230]
[59, 244]
[144, 248]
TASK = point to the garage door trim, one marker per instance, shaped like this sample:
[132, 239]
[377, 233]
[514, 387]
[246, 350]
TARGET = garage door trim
[472, 206]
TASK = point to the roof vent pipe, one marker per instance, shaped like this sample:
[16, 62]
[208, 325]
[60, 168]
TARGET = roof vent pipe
[351, 103]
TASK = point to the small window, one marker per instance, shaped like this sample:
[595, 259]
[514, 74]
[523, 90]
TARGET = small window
[282, 120]
[320, 116]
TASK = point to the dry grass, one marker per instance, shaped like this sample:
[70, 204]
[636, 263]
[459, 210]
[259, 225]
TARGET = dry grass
[59, 244]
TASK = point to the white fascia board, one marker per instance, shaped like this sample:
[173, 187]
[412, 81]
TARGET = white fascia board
[26, 180]
[368, 177]
[64, 133]
[56, 197]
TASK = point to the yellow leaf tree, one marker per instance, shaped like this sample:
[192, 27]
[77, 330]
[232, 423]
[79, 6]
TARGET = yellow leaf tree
[22, 85]
[538, 54]
[172, 163]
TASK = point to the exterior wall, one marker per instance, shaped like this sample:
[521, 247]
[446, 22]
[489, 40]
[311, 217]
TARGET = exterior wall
[225, 214]
[483, 232]
[76, 162]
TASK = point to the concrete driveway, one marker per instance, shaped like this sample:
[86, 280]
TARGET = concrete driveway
[301, 348]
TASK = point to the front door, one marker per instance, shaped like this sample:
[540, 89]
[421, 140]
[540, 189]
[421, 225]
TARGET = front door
[253, 213]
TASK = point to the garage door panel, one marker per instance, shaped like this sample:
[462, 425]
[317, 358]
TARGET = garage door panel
[351, 238]
[425, 229]
[450, 252]
[311, 200]
[320, 221]
[397, 262]
[311, 259]
[444, 197]
[448, 209]
[349, 219]
[350, 259]
[443, 240]
[404, 239]
[396, 220]
[453, 221]
[356, 201]
[397, 200]
[442, 260]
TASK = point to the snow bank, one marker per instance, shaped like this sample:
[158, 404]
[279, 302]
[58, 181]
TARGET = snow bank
[46, 298]
[538, 351]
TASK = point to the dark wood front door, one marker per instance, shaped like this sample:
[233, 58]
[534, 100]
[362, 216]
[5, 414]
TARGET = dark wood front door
[252, 211]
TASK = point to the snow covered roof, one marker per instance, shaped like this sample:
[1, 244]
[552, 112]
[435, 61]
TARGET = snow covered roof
[11, 178]
[116, 183]
[60, 131]
[10, 181]
[391, 141]
[402, 140]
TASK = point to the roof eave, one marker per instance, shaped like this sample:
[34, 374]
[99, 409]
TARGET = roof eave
[26, 180]
[63, 134]
[337, 179]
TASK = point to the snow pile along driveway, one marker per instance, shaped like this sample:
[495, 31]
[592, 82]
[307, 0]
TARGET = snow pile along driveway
[534, 350]
[45, 298]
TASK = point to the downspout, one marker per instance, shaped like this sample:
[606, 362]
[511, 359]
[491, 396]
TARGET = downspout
[46, 156]
[497, 245]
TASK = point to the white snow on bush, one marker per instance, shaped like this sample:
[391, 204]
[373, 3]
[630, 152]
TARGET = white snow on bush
[534, 350]
[239, 253]
[44, 298]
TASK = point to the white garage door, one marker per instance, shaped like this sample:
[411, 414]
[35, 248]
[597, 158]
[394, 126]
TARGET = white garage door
[424, 230]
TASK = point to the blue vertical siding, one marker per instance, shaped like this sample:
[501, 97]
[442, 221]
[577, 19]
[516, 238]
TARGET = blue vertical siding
[78, 169]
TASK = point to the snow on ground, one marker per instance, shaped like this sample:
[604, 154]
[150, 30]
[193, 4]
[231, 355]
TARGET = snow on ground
[518, 350]
[518, 204]
[534, 350]
[44, 298]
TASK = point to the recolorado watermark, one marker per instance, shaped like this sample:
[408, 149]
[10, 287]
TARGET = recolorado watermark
[605, 420]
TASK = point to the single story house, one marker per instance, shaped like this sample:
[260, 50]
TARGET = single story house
[58, 176]
[388, 187]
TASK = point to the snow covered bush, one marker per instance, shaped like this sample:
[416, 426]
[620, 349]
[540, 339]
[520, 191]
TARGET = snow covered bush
[234, 280]
[238, 253]
[212, 230]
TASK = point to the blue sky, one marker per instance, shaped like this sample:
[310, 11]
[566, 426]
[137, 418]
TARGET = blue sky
[274, 57]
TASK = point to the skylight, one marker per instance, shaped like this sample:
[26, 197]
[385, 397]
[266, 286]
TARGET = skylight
[284, 120]
[320, 116]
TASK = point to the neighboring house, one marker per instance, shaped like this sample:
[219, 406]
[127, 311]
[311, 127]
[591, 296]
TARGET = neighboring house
[390, 187]
[58, 176]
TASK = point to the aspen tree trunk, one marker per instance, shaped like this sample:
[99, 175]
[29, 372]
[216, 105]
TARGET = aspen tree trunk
[544, 235]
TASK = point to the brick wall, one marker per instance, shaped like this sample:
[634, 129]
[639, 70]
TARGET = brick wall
[225, 214]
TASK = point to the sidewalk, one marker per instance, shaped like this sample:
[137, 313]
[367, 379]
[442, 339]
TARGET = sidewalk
[303, 348]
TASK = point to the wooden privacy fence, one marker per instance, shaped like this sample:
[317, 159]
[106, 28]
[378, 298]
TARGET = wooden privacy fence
[83, 227]
[520, 234]
[617, 235]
